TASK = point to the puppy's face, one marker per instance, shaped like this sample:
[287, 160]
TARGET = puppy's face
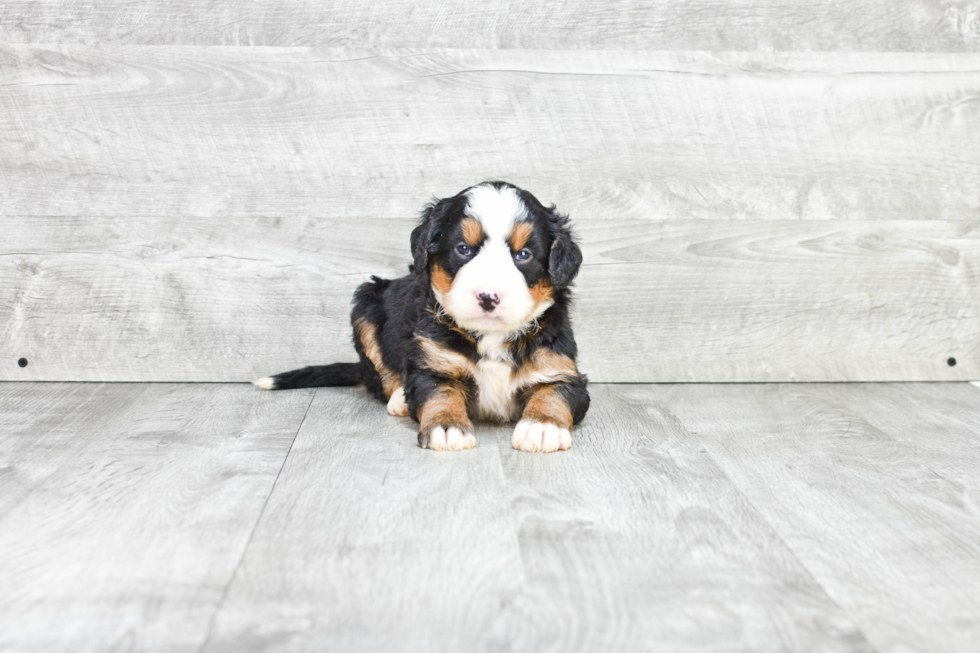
[491, 256]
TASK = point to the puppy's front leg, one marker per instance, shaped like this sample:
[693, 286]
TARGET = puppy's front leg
[546, 424]
[443, 422]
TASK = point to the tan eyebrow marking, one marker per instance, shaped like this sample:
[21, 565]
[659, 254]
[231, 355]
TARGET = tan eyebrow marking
[473, 232]
[519, 235]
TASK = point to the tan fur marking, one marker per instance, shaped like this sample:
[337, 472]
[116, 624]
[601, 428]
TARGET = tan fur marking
[463, 332]
[541, 292]
[519, 235]
[473, 232]
[549, 359]
[445, 407]
[547, 405]
[547, 364]
[367, 333]
[444, 360]
[440, 280]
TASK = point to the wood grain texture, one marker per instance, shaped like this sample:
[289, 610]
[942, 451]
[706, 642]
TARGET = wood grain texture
[831, 517]
[905, 25]
[370, 543]
[124, 131]
[633, 540]
[187, 299]
[125, 509]
[788, 301]
[937, 423]
[867, 505]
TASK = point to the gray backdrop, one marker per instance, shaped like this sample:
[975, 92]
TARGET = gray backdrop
[765, 191]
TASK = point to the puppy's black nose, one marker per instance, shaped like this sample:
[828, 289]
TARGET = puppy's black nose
[488, 302]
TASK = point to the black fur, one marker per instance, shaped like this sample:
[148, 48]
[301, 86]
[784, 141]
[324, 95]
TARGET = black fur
[337, 374]
[406, 308]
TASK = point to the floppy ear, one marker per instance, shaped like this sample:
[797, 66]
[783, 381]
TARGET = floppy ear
[566, 257]
[425, 237]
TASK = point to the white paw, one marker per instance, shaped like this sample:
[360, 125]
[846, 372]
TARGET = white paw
[397, 405]
[542, 437]
[451, 439]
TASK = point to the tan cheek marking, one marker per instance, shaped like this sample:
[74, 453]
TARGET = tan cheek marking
[441, 280]
[519, 235]
[541, 292]
[367, 334]
[445, 407]
[445, 361]
[547, 405]
[472, 231]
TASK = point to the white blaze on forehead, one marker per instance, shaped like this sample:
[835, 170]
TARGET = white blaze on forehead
[496, 209]
[492, 269]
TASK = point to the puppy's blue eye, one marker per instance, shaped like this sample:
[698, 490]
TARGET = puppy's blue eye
[522, 255]
[464, 250]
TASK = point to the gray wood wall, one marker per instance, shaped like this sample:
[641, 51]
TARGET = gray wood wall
[765, 191]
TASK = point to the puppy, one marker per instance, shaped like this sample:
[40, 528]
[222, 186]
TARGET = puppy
[479, 329]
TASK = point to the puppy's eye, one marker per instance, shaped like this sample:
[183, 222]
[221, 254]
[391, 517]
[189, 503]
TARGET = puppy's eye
[464, 249]
[522, 255]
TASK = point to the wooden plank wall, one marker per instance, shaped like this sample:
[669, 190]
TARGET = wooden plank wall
[191, 191]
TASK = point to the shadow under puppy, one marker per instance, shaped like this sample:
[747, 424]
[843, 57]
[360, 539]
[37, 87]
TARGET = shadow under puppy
[479, 329]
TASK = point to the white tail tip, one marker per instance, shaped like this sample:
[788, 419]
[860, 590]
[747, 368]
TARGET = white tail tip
[266, 383]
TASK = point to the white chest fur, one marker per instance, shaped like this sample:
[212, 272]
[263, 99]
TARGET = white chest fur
[498, 391]
[497, 380]
[494, 376]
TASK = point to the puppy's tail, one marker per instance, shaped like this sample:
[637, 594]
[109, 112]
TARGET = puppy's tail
[315, 376]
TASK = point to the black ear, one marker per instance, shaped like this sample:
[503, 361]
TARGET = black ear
[425, 236]
[566, 257]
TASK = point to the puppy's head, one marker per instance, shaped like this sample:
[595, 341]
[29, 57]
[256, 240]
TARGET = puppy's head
[495, 256]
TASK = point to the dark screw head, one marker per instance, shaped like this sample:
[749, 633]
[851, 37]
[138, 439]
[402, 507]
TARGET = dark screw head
[22, 362]
[951, 362]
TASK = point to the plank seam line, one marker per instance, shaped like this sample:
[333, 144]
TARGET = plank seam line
[251, 535]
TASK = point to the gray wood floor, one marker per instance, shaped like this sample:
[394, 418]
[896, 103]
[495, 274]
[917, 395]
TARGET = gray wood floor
[183, 517]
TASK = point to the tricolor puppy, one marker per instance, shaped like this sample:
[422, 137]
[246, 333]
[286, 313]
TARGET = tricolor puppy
[479, 329]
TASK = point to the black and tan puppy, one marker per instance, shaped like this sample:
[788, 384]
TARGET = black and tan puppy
[479, 329]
